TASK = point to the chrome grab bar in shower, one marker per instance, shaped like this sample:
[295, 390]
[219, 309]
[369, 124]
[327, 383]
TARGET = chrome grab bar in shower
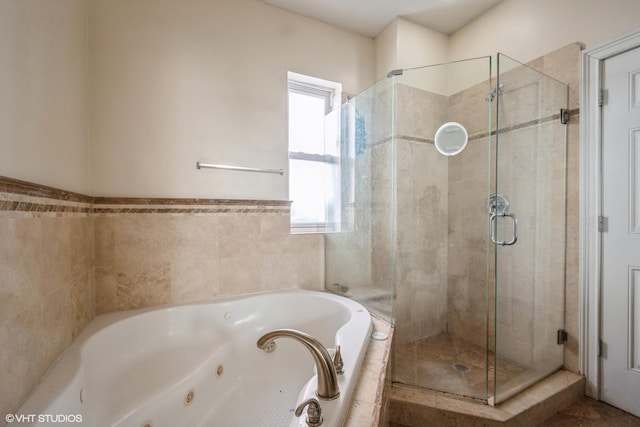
[493, 220]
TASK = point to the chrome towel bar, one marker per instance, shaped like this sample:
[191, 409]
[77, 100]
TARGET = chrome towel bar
[201, 165]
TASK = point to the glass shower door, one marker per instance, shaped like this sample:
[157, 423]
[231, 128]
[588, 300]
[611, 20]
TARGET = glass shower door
[527, 224]
[441, 245]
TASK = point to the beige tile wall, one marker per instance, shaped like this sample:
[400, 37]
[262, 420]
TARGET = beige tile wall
[47, 292]
[531, 169]
[145, 260]
[564, 65]
[421, 216]
[468, 276]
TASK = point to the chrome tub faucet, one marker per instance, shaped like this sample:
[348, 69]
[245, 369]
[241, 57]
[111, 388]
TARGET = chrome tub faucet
[327, 388]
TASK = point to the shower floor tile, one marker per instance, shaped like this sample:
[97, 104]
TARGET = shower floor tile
[429, 363]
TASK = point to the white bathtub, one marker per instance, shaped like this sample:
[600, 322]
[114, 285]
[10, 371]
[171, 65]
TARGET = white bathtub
[137, 368]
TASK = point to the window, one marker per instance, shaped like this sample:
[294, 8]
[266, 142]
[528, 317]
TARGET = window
[314, 186]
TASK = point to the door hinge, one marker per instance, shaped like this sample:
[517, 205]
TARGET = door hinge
[564, 116]
[602, 224]
[601, 349]
[562, 336]
[603, 97]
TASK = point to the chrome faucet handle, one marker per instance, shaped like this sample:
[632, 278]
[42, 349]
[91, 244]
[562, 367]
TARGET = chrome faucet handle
[337, 361]
[314, 413]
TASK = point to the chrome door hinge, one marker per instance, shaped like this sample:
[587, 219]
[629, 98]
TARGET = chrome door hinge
[602, 224]
[603, 97]
[562, 336]
[564, 116]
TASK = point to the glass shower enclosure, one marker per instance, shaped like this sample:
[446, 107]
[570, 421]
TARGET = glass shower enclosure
[461, 247]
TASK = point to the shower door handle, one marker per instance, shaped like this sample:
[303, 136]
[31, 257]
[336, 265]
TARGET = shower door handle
[493, 221]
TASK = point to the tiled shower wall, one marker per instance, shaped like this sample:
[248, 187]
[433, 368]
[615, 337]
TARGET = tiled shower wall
[440, 241]
[468, 186]
[564, 65]
[421, 212]
[69, 256]
[531, 167]
[553, 239]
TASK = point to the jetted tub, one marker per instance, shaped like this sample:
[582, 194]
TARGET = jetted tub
[198, 365]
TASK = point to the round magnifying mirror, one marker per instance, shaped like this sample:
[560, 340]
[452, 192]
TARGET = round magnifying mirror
[451, 138]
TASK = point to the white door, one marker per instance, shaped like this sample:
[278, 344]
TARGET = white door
[620, 333]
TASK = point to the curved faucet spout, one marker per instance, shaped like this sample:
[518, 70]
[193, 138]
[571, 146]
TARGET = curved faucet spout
[327, 378]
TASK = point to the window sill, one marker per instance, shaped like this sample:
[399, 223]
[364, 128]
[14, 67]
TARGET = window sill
[314, 228]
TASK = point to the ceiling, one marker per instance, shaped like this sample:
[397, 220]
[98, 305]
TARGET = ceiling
[369, 17]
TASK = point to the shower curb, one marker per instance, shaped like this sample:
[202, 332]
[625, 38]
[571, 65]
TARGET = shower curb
[423, 408]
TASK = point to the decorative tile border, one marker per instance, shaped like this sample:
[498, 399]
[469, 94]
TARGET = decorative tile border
[16, 186]
[116, 205]
[28, 199]
[419, 140]
[530, 123]
[239, 209]
[36, 207]
[22, 199]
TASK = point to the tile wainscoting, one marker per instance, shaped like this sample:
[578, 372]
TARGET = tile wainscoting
[152, 254]
[68, 256]
[47, 288]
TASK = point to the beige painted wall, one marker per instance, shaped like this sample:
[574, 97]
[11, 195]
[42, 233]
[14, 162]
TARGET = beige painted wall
[43, 79]
[176, 83]
[171, 86]
[386, 46]
[522, 29]
[419, 46]
[525, 29]
[403, 44]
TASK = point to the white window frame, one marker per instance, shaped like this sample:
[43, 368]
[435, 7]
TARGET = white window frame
[331, 92]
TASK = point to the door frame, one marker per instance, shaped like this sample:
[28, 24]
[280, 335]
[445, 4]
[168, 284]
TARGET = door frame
[592, 61]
